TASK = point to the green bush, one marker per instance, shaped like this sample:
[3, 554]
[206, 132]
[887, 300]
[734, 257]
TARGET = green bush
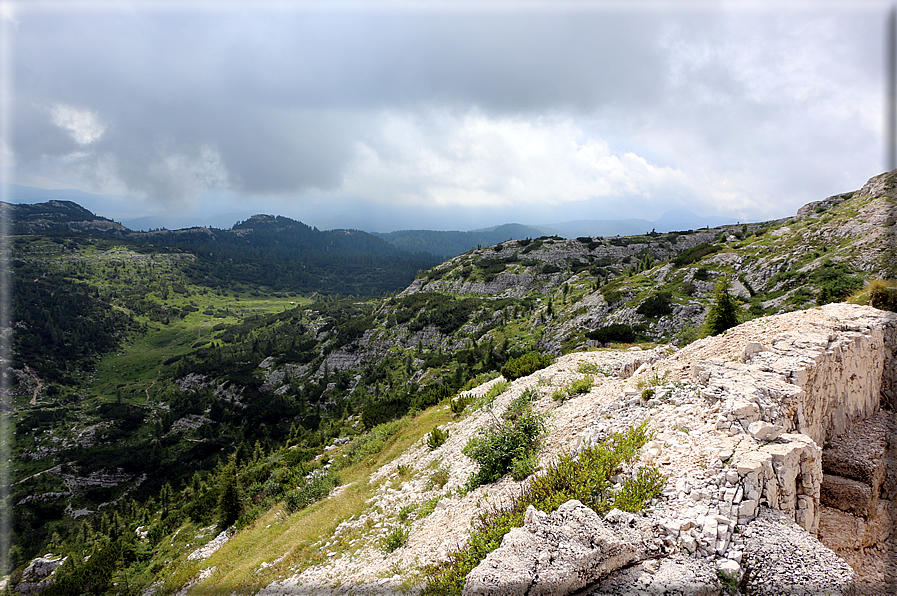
[397, 538]
[615, 332]
[612, 296]
[496, 447]
[655, 306]
[436, 438]
[883, 297]
[525, 365]
[583, 477]
[835, 282]
[317, 485]
[524, 467]
[695, 254]
[458, 404]
[579, 386]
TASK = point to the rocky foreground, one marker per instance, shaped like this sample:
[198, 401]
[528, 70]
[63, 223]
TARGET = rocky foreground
[778, 440]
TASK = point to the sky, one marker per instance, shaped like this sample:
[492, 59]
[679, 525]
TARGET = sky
[445, 115]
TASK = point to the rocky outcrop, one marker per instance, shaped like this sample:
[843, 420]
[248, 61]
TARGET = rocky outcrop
[744, 439]
[558, 554]
[39, 574]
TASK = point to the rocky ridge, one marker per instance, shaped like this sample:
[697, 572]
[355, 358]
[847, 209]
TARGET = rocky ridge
[743, 424]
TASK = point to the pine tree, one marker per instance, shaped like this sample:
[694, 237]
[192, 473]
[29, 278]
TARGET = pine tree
[723, 313]
[229, 503]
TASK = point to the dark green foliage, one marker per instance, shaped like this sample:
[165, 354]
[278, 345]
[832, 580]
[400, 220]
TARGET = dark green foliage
[834, 282]
[723, 313]
[549, 268]
[62, 326]
[655, 306]
[612, 296]
[615, 332]
[430, 396]
[396, 538]
[230, 502]
[526, 364]
[316, 486]
[497, 447]
[695, 254]
[436, 437]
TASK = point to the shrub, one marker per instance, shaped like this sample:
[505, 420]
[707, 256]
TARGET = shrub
[439, 477]
[584, 477]
[436, 438]
[317, 485]
[458, 404]
[590, 368]
[835, 282]
[695, 254]
[397, 538]
[496, 447]
[520, 404]
[655, 306]
[495, 391]
[612, 296]
[615, 332]
[524, 365]
[638, 490]
[883, 296]
[583, 385]
[524, 467]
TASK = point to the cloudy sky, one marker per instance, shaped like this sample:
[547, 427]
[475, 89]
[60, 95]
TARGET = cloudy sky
[446, 115]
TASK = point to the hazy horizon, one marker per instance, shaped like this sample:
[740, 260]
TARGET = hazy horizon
[436, 115]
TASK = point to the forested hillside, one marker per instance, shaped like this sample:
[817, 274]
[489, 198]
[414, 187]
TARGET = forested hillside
[175, 383]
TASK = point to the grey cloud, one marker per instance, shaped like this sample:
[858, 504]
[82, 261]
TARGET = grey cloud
[274, 93]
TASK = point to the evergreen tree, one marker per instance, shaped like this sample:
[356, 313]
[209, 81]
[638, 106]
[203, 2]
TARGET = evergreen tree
[723, 313]
[229, 503]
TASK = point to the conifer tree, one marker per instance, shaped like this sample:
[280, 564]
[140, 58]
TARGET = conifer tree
[229, 502]
[723, 313]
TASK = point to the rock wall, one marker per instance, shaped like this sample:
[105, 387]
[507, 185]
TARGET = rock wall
[742, 428]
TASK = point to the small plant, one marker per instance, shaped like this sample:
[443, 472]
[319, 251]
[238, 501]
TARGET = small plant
[403, 470]
[436, 437]
[520, 403]
[458, 404]
[427, 507]
[495, 448]
[723, 313]
[635, 492]
[579, 386]
[406, 511]
[728, 580]
[656, 379]
[439, 477]
[647, 394]
[524, 467]
[494, 391]
[591, 368]
[397, 538]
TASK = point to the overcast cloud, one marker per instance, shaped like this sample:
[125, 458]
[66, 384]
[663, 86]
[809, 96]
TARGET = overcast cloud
[448, 117]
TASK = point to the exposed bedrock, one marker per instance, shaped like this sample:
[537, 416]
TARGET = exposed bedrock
[788, 435]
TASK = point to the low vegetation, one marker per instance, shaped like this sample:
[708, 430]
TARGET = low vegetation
[584, 477]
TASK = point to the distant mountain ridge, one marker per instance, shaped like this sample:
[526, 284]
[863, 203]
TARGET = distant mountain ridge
[438, 242]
